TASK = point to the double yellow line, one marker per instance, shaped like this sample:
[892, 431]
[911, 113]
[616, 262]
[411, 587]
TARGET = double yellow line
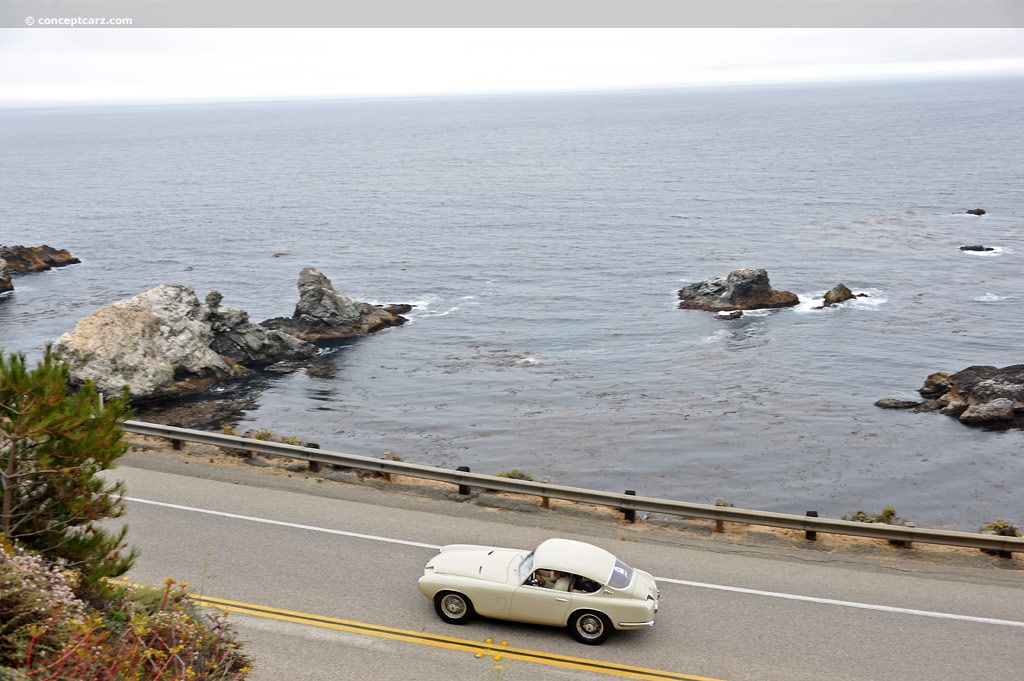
[488, 647]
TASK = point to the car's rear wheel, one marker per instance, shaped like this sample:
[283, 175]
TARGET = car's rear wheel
[453, 607]
[590, 627]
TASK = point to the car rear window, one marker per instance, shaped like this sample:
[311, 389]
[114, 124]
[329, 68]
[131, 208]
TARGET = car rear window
[622, 575]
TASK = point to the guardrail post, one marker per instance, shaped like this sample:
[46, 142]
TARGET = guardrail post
[314, 466]
[811, 535]
[719, 523]
[629, 512]
[463, 489]
[906, 544]
[176, 444]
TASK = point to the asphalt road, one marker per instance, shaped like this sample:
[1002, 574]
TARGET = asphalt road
[729, 611]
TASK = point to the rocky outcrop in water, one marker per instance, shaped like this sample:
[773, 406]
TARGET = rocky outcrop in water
[324, 314]
[743, 289]
[840, 293]
[157, 344]
[977, 247]
[24, 259]
[976, 211]
[978, 395]
[250, 344]
[164, 343]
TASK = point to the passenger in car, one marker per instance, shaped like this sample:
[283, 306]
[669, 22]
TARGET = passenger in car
[584, 586]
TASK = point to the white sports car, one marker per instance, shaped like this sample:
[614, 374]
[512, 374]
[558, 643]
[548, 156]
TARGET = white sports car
[562, 583]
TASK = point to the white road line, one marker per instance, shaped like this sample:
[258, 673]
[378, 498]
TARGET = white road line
[297, 526]
[846, 604]
[681, 582]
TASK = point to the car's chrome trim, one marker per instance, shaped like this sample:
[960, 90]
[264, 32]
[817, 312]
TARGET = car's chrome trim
[635, 625]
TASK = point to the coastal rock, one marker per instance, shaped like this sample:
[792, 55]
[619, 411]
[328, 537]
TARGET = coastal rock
[979, 394]
[978, 247]
[250, 344]
[24, 259]
[5, 278]
[894, 403]
[399, 308]
[839, 294]
[156, 344]
[324, 314]
[936, 385]
[742, 289]
[999, 410]
[976, 211]
[725, 316]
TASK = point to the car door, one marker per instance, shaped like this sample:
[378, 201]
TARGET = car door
[540, 605]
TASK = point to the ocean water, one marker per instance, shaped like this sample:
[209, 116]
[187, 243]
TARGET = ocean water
[543, 239]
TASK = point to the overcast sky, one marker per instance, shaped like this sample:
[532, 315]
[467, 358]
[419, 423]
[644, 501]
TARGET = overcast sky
[92, 66]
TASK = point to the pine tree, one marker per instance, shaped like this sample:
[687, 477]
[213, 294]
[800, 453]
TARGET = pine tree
[53, 443]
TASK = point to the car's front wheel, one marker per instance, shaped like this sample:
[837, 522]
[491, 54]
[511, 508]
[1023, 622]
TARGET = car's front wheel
[453, 608]
[590, 627]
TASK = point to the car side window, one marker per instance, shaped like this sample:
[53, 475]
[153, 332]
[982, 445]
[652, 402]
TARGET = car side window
[539, 578]
[582, 585]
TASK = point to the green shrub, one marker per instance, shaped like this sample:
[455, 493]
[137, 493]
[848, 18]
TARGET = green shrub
[887, 516]
[515, 474]
[54, 443]
[1001, 528]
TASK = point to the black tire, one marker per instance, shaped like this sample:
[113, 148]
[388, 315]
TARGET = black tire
[453, 607]
[590, 627]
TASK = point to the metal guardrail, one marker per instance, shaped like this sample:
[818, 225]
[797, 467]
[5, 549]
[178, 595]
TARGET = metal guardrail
[623, 502]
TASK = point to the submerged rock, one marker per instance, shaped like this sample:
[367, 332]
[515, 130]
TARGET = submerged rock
[323, 313]
[743, 289]
[894, 403]
[976, 211]
[977, 247]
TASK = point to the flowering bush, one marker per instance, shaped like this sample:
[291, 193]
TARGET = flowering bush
[37, 608]
[144, 634]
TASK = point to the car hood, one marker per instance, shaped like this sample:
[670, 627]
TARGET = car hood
[479, 562]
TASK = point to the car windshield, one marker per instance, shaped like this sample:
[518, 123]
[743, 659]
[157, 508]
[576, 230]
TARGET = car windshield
[525, 567]
[622, 575]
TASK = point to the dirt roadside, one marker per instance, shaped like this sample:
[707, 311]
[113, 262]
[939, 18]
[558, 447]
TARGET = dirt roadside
[207, 461]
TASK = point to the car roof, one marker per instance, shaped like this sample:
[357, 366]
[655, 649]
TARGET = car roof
[576, 557]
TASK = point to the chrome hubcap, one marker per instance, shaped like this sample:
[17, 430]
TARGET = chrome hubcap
[590, 626]
[454, 606]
